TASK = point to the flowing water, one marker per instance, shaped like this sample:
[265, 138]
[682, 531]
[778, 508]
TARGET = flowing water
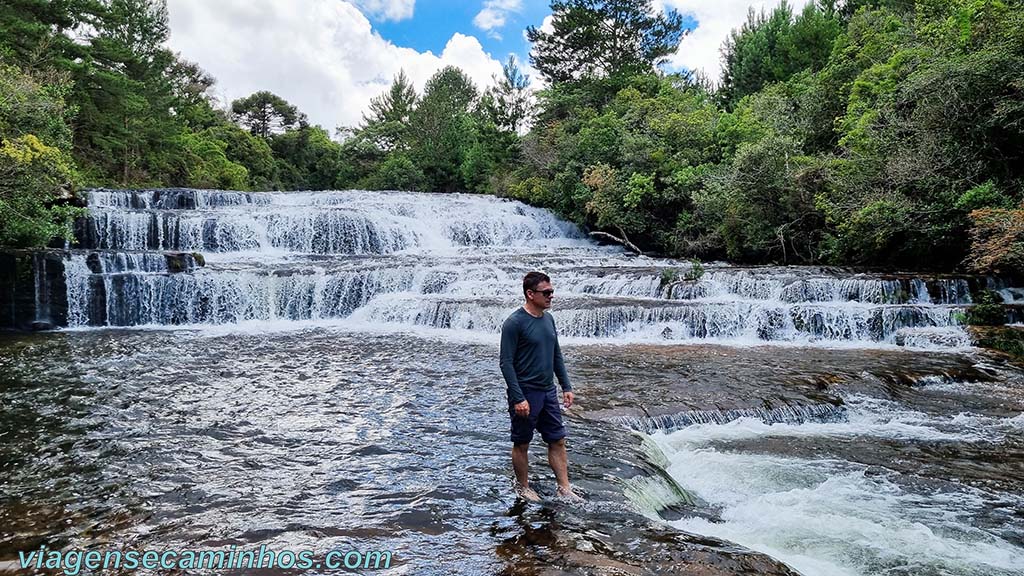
[328, 380]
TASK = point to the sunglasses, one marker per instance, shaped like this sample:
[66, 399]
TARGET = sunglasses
[546, 293]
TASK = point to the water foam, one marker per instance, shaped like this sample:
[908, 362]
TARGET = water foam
[831, 516]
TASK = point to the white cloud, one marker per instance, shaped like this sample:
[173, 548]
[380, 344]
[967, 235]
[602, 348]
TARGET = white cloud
[547, 25]
[494, 13]
[325, 58]
[388, 9]
[699, 50]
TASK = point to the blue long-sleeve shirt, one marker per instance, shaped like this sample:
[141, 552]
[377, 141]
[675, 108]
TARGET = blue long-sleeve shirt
[530, 355]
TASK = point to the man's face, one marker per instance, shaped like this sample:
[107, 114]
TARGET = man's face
[542, 295]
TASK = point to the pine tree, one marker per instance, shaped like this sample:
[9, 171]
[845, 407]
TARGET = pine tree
[387, 124]
[265, 113]
[601, 38]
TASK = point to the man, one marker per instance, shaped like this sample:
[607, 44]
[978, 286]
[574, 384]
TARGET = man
[529, 356]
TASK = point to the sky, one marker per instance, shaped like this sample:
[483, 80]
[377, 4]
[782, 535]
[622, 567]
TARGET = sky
[330, 57]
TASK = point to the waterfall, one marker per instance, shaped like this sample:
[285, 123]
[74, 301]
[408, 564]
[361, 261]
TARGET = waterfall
[797, 414]
[455, 262]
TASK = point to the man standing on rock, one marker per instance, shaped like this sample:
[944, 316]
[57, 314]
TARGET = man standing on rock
[529, 358]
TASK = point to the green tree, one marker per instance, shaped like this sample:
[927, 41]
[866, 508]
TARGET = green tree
[37, 34]
[130, 116]
[396, 172]
[265, 114]
[442, 128]
[599, 38]
[35, 104]
[252, 152]
[771, 48]
[506, 104]
[202, 163]
[307, 159]
[387, 124]
[37, 174]
[34, 183]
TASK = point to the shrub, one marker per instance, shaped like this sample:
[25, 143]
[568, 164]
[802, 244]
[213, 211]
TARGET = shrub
[34, 179]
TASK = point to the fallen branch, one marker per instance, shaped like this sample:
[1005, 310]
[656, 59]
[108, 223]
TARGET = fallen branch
[618, 240]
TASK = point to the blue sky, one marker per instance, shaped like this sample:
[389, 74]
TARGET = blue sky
[331, 57]
[434, 22]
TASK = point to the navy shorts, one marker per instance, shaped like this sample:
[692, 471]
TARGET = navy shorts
[545, 416]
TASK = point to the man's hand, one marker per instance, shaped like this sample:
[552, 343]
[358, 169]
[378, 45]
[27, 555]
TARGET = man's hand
[523, 409]
[568, 399]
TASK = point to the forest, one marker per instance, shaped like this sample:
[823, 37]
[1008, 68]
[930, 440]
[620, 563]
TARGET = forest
[882, 133]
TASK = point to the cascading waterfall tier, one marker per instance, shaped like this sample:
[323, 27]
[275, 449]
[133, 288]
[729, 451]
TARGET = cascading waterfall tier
[455, 261]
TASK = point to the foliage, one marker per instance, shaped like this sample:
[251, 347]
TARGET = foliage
[397, 172]
[387, 125]
[773, 47]
[251, 152]
[997, 242]
[35, 104]
[696, 271]
[307, 159]
[265, 114]
[506, 104]
[599, 38]
[33, 178]
[668, 276]
[870, 132]
[1008, 339]
[203, 163]
[987, 310]
[36, 171]
[442, 128]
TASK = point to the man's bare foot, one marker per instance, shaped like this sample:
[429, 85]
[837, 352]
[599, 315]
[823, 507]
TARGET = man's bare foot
[568, 495]
[527, 493]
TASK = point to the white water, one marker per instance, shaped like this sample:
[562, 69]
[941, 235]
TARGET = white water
[830, 516]
[453, 263]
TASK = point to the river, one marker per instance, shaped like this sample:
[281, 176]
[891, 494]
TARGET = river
[328, 380]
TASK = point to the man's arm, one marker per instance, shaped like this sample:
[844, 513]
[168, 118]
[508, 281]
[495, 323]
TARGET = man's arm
[560, 372]
[506, 355]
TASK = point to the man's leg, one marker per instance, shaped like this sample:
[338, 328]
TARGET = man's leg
[559, 462]
[553, 431]
[521, 463]
[522, 433]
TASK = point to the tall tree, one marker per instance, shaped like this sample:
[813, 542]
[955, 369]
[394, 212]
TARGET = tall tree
[387, 124]
[36, 171]
[37, 34]
[600, 38]
[442, 128]
[507, 102]
[772, 47]
[396, 104]
[123, 94]
[265, 113]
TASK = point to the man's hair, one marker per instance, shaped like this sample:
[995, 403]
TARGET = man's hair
[534, 279]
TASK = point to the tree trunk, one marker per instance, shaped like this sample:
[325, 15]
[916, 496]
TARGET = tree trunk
[618, 240]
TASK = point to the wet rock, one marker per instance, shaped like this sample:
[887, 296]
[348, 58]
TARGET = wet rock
[32, 289]
[182, 261]
[931, 337]
[174, 199]
[771, 324]
[94, 262]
